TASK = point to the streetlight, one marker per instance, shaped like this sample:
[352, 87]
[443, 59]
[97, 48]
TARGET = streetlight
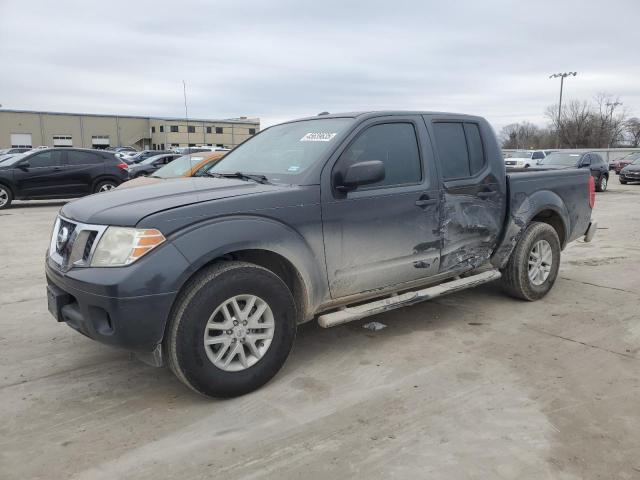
[613, 106]
[562, 77]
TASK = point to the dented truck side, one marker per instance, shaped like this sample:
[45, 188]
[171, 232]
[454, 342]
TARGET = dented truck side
[334, 217]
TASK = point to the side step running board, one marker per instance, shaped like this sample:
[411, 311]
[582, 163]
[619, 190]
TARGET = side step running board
[349, 314]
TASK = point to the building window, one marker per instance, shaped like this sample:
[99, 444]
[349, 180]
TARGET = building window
[219, 130]
[161, 128]
[153, 129]
[191, 129]
[174, 128]
[252, 131]
[208, 129]
[154, 147]
[219, 145]
[162, 146]
[62, 141]
[175, 145]
[192, 144]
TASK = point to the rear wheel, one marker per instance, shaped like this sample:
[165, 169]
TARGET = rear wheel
[6, 197]
[602, 183]
[623, 182]
[231, 329]
[105, 186]
[533, 266]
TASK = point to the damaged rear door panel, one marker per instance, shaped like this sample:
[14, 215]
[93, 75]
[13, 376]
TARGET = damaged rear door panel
[472, 190]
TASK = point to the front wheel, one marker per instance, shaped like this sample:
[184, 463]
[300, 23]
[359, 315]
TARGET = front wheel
[6, 197]
[623, 182]
[601, 186]
[533, 266]
[231, 329]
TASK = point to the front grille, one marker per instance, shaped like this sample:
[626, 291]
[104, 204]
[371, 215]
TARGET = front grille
[72, 243]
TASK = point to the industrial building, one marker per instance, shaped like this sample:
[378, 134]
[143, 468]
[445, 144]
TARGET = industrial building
[23, 128]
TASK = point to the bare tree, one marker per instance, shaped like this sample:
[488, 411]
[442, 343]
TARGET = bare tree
[632, 128]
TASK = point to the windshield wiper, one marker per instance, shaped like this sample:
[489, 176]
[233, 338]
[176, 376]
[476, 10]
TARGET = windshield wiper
[243, 176]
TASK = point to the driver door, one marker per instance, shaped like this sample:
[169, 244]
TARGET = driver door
[383, 234]
[40, 175]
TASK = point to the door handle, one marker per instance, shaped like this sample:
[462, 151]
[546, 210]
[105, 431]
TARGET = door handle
[487, 194]
[425, 201]
[57, 169]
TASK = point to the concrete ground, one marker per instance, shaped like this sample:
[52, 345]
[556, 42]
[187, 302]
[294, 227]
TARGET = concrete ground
[474, 385]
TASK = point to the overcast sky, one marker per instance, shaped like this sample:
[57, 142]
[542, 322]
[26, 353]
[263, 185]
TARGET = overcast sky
[280, 59]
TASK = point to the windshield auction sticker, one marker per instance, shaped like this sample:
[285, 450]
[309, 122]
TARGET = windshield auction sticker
[318, 137]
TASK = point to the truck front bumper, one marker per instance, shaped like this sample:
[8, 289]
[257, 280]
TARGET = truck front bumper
[591, 231]
[104, 305]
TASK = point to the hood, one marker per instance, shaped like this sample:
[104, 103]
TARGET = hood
[127, 206]
[136, 182]
[550, 166]
[631, 168]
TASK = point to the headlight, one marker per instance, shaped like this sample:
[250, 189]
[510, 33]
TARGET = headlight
[120, 246]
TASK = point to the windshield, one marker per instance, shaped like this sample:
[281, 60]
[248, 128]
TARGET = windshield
[636, 161]
[557, 158]
[179, 167]
[284, 151]
[521, 154]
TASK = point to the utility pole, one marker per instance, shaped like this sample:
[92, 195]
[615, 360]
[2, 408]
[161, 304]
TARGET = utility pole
[562, 77]
[612, 106]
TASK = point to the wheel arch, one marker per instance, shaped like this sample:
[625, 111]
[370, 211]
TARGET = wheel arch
[543, 206]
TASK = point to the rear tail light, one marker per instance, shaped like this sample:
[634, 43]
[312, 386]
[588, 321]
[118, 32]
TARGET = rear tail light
[592, 192]
[123, 166]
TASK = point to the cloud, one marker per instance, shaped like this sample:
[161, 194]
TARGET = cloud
[283, 58]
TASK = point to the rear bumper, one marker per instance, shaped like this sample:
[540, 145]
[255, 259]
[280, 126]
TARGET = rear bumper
[591, 231]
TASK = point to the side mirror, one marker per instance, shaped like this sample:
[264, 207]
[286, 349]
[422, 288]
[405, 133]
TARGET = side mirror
[24, 165]
[361, 173]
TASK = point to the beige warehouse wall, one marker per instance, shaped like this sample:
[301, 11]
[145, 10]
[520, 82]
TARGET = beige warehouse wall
[61, 125]
[99, 126]
[12, 122]
[120, 130]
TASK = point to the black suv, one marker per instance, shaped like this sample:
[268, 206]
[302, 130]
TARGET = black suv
[564, 159]
[59, 173]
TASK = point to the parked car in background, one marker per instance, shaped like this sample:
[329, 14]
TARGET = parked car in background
[185, 166]
[122, 149]
[574, 159]
[524, 158]
[151, 164]
[144, 154]
[6, 151]
[631, 172]
[186, 150]
[619, 164]
[59, 173]
[333, 218]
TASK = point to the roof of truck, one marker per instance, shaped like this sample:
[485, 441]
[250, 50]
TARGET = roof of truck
[378, 113]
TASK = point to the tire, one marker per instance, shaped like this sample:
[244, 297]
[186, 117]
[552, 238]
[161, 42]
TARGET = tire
[6, 197]
[515, 276]
[623, 182]
[104, 186]
[190, 324]
[602, 184]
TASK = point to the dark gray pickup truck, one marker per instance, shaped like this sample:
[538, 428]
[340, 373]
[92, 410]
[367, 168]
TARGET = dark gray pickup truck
[335, 217]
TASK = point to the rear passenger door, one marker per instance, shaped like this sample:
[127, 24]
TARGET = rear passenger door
[81, 169]
[383, 234]
[473, 190]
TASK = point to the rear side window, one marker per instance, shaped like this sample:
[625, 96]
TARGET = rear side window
[396, 145]
[460, 149]
[51, 158]
[83, 158]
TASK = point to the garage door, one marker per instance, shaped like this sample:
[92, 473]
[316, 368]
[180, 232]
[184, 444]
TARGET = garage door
[21, 140]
